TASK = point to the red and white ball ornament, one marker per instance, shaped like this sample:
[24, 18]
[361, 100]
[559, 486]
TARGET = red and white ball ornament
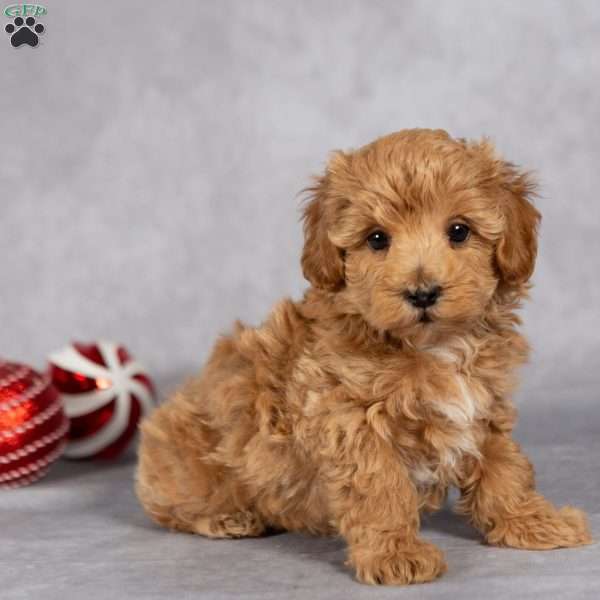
[33, 426]
[105, 393]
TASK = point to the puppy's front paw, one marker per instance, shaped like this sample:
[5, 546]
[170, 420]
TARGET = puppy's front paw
[416, 563]
[543, 530]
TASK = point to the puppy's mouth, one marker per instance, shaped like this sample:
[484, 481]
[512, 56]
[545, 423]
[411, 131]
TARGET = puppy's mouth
[425, 317]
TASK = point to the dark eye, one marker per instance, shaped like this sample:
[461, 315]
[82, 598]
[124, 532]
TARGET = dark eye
[458, 232]
[378, 240]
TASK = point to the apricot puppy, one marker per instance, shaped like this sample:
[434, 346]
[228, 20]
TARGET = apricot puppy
[356, 408]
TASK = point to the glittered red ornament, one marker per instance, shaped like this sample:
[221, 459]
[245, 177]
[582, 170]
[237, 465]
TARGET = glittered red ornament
[33, 425]
[105, 394]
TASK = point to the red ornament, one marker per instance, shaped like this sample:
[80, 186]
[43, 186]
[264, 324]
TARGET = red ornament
[33, 425]
[105, 394]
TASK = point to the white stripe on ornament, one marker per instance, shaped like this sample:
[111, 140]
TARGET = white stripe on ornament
[77, 405]
[134, 368]
[108, 350]
[105, 436]
[70, 359]
[34, 421]
[37, 445]
[142, 393]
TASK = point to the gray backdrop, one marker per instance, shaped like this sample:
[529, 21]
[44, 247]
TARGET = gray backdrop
[151, 158]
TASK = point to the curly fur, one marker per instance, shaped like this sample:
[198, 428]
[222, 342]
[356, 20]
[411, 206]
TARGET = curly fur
[345, 413]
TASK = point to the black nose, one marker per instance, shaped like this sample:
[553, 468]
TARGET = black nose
[424, 297]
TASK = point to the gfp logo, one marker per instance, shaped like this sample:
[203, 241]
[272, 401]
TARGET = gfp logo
[24, 29]
[25, 10]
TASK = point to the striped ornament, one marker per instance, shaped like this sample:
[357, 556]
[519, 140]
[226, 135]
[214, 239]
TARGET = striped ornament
[105, 394]
[33, 425]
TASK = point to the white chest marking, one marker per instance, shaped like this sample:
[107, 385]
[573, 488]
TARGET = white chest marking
[461, 407]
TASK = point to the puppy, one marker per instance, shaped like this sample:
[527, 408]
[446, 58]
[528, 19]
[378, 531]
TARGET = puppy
[353, 410]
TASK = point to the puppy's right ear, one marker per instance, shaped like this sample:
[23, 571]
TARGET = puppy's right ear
[322, 261]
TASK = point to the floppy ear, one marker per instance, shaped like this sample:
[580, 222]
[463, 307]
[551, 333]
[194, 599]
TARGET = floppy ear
[517, 249]
[322, 261]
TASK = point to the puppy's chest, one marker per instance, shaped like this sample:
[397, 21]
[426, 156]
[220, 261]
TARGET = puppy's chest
[454, 409]
[444, 407]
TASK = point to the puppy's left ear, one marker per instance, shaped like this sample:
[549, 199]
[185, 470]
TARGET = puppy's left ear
[517, 248]
[322, 261]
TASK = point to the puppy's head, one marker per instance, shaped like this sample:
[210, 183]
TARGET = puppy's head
[418, 231]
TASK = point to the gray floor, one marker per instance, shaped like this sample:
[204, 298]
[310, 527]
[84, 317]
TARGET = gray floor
[80, 533]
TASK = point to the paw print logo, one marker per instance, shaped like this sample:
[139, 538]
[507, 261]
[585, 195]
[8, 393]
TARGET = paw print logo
[24, 31]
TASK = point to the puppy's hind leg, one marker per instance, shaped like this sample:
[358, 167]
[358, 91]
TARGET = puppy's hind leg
[179, 490]
[244, 523]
